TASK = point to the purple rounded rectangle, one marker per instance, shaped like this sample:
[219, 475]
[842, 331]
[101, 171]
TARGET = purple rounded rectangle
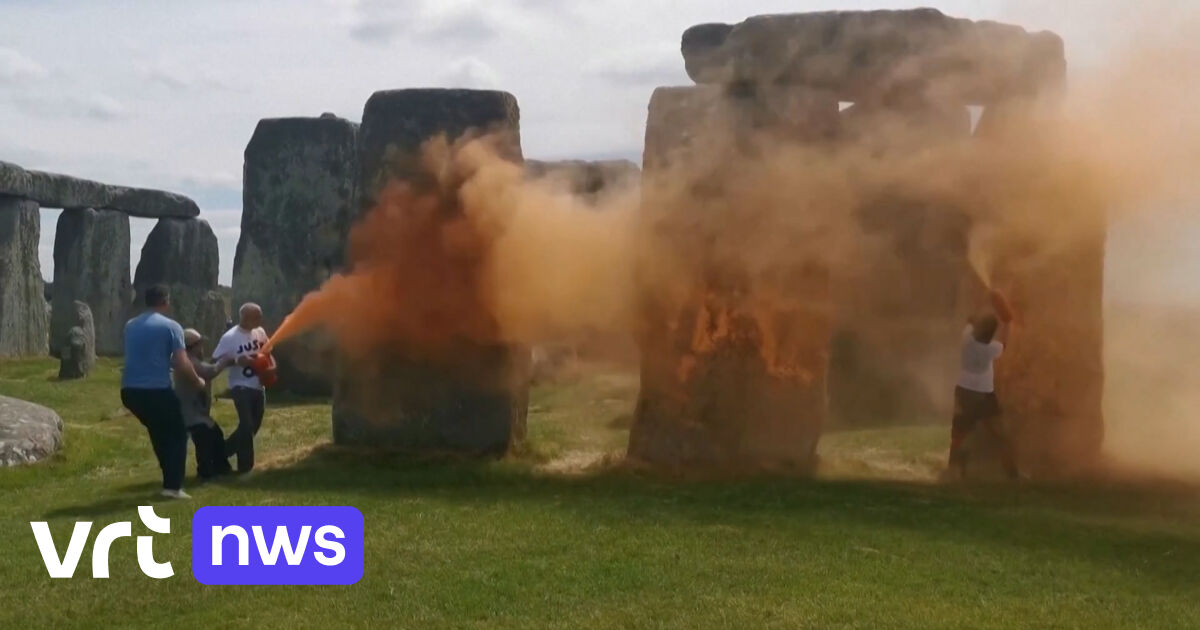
[317, 545]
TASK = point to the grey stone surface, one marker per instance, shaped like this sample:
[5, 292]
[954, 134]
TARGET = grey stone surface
[151, 204]
[28, 432]
[78, 352]
[182, 254]
[212, 317]
[300, 193]
[396, 123]
[901, 300]
[23, 323]
[476, 406]
[91, 264]
[703, 127]
[474, 398]
[753, 397]
[13, 178]
[54, 190]
[861, 54]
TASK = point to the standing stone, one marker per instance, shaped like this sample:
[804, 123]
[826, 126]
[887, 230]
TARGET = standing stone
[900, 303]
[300, 193]
[182, 254]
[733, 366]
[212, 318]
[23, 320]
[397, 122]
[1051, 377]
[1049, 261]
[79, 349]
[473, 399]
[856, 53]
[91, 265]
[28, 432]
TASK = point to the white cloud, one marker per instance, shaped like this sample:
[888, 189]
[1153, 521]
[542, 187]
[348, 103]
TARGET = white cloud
[463, 21]
[643, 67]
[163, 74]
[95, 106]
[376, 21]
[433, 21]
[470, 72]
[214, 179]
[15, 67]
[100, 106]
[183, 78]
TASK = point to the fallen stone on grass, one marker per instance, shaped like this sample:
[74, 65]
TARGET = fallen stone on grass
[28, 432]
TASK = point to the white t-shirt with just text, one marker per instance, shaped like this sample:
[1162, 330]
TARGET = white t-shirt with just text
[236, 342]
[977, 373]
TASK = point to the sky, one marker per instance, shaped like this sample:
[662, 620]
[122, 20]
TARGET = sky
[166, 93]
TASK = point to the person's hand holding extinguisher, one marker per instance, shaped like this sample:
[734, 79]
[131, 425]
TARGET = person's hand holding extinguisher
[263, 365]
[1004, 313]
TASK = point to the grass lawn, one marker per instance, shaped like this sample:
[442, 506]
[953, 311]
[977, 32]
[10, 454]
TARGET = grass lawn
[557, 538]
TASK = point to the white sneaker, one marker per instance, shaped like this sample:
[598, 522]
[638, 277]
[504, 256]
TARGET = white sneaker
[176, 494]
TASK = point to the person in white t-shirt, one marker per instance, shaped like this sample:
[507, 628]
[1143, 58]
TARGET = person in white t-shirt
[975, 401]
[239, 344]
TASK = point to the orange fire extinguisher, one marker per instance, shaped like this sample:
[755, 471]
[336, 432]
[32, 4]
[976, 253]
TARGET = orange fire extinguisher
[264, 367]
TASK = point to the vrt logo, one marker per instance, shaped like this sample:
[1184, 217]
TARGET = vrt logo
[64, 567]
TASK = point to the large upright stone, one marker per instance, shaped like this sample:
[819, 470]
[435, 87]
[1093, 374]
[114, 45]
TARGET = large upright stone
[1051, 377]
[734, 363]
[300, 194]
[212, 317]
[1048, 257]
[23, 321]
[182, 254]
[471, 398]
[900, 297]
[91, 265]
[396, 123]
[79, 349]
[857, 54]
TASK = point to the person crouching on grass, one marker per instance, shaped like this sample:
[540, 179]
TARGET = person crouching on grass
[207, 437]
[975, 402]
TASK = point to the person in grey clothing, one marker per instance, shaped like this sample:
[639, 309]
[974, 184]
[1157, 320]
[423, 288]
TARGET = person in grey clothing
[207, 437]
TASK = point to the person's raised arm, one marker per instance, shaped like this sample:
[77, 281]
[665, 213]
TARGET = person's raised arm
[1004, 313]
[1002, 333]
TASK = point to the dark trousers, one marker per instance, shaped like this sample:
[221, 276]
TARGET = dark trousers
[971, 411]
[158, 410]
[209, 441]
[250, 404]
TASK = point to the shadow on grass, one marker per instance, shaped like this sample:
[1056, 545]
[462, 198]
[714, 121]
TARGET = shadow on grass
[1147, 530]
[282, 399]
[130, 498]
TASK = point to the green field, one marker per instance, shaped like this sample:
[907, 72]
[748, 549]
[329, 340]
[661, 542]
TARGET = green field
[563, 536]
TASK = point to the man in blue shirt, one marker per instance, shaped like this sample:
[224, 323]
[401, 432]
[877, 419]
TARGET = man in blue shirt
[153, 344]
